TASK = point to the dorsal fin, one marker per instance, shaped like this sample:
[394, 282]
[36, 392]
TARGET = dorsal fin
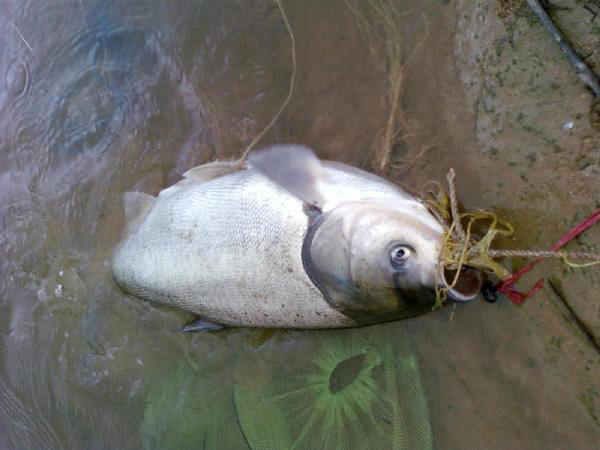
[204, 173]
[212, 170]
[137, 205]
[293, 167]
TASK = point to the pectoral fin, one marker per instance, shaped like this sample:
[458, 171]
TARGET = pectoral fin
[293, 167]
[201, 325]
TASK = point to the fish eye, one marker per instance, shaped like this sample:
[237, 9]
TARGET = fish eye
[399, 255]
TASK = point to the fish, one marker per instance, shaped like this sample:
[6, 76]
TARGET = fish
[282, 239]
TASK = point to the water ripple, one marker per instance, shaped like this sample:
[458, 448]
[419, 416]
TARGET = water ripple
[93, 101]
[25, 429]
[17, 80]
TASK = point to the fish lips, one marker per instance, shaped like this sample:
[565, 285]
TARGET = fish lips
[468, 285]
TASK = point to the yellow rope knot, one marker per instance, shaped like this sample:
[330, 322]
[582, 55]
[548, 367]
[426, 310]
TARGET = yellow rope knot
[462, 247]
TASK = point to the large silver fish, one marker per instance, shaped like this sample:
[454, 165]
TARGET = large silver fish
[284, 240]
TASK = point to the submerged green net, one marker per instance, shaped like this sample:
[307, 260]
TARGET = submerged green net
[189, 410]
[191, 405]
[354, 389]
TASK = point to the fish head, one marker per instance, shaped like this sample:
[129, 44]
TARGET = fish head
[372, 249]
[378, 260]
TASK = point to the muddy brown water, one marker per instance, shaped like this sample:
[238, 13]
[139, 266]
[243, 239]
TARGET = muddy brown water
[98, 98]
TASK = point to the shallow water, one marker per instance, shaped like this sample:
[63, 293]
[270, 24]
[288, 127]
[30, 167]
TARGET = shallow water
[98, 98]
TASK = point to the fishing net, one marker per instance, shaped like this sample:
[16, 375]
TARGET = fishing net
[356, 388]
[191, 407]
[277, 389]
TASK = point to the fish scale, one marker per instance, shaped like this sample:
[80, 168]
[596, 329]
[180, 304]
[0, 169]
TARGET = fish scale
[205, 243]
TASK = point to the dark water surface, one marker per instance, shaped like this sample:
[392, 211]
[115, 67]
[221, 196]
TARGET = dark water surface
[102, 97]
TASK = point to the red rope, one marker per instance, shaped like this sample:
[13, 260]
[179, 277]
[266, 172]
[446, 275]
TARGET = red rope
[506, 286]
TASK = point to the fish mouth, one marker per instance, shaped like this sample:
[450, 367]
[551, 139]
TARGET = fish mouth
[467, 286]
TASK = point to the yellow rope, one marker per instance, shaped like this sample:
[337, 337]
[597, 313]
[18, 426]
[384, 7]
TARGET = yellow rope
[460, 248]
